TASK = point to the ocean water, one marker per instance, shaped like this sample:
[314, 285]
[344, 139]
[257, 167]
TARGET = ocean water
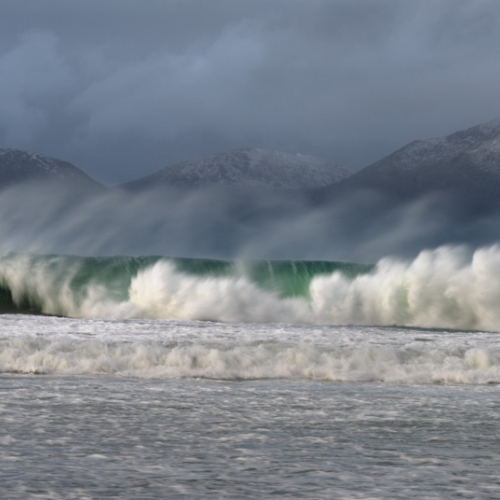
[163, 378]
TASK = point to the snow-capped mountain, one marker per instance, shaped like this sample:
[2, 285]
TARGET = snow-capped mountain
[478, 146]
[252, 168]
[17, 166]
[465, 164]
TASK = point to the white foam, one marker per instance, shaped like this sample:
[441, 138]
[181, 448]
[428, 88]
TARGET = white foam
[250, 361]
[162, 292]
[443, 288]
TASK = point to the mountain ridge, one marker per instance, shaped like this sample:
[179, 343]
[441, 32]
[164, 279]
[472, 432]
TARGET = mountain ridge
[464, 165]
[246, 167]
[19, 166]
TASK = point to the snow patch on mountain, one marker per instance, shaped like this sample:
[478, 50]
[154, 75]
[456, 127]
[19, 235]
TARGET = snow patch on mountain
[478, 146]
[19, 166]
[248, 168]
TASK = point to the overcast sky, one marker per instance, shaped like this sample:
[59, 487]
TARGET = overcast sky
[122, 88]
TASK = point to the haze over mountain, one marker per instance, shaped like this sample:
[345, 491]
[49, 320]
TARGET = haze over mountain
[464, 165]
[17, 166]
[391, 207]
[247, 168]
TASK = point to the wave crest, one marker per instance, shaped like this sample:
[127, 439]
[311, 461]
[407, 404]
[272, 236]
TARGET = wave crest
[448, 287]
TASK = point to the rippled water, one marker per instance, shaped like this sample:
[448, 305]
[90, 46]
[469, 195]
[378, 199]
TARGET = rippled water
[75, 426]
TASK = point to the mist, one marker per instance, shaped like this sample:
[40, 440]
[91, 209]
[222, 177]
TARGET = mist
[232, 224]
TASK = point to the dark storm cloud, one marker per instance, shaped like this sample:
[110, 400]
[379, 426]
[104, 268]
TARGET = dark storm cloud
[122, 88]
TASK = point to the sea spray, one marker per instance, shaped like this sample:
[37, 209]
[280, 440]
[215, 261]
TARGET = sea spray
[162, 292]
[442, 288]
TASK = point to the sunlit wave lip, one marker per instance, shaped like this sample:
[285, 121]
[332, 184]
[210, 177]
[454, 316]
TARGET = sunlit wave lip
[445, 288]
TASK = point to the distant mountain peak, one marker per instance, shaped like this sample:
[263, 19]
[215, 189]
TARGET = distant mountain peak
[486, 129]
[18, 166]
[465, 165]
[247, 168]
[479, 145]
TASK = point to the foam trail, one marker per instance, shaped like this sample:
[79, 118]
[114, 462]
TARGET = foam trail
[251, 361]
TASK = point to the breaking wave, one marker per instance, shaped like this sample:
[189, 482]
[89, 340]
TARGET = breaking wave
[447, 287]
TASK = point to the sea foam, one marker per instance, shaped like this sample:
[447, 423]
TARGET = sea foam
[263, 359]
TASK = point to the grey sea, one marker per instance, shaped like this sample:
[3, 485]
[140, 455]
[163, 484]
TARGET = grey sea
[157, 409]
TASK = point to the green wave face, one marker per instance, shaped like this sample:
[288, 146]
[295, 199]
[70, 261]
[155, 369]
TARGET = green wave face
[62, 285]
[292, 278]
[285, 277]
[28, 282]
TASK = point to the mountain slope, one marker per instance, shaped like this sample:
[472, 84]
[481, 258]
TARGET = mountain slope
[18, 166]
[247, 168]
[465, 165]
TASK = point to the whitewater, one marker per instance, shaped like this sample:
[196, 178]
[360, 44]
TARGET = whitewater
[156, 377]
[449, 287]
